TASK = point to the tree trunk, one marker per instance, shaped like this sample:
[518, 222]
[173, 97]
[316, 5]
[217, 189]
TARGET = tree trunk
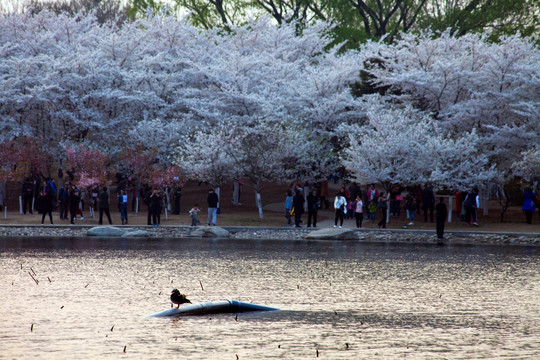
[258, 197]
[504, 202]
[259, 203]
[235, 193]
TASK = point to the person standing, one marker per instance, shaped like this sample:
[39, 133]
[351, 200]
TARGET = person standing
[340, 208]
[372, 193]
[288, 207]
[213, 201]
[313, 207]
[104, 206]
[176, 198]
[359, 211]
[45, 202]
[529, 205]
[441, 215]
[410, 206]
[298, 203]
[471, 203]
[428, 203]
[383, 205]
[74, 199]
[123, 202]
[147, 191]
[27, 194]
[324, 193]
[63, 197]
[155, 206]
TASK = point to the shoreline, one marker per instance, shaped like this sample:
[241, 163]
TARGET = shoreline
[284, 233]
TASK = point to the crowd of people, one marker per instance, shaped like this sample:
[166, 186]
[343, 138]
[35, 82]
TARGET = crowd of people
[43, 194]
[359, 203]
[46, 195]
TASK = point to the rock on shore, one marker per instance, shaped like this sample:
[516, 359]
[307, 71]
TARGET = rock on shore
[208, 232]
[362, 235]
[332, 234]
[111, 231]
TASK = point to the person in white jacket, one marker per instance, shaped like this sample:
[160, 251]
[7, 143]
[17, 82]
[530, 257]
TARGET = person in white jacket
[340, 207]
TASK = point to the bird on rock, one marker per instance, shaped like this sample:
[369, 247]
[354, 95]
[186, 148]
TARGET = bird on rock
[178, 298]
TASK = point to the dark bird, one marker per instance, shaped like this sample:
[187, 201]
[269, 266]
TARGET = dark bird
[178, 298]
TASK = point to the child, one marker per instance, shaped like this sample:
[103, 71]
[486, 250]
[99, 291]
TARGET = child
[359, 211]
[351, 205]
[193, 213]
[372, 210]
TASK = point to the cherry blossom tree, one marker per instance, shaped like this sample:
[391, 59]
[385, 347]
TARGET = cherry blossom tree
[467, 83]
[20, 158]
[169, 91]
[404, 146]
[89, 166]
[137, 163]
[528, 165]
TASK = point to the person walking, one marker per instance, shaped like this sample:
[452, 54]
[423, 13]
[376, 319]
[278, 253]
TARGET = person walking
[213, 201]
[441, 215]
[359, 211]
[383, 205]
[529, 204]
[340, 208]
[313, 203]
[104, 206]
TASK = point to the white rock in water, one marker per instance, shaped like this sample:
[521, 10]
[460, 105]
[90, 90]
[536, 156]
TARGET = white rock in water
[108, 231]
[332, 234]
[208, 232]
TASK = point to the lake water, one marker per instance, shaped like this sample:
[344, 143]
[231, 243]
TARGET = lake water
[339, 300]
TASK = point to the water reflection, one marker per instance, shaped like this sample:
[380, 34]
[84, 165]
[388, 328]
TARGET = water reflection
[338, 299]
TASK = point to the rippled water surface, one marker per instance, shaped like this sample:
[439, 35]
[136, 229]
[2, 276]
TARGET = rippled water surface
[339, 300]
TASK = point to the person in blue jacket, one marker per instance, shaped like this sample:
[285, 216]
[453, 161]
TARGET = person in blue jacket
[529, 204]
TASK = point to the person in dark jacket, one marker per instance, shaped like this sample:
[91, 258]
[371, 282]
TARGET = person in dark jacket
[441, 215]
[213, 201]
[155, 206]
[428, 202]
[63, 197]
[147, 191]
[177, 198]
[27, 194]
[104, 206]
[298, 204]
[45, 201]
[74, 199]
[313, 208]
